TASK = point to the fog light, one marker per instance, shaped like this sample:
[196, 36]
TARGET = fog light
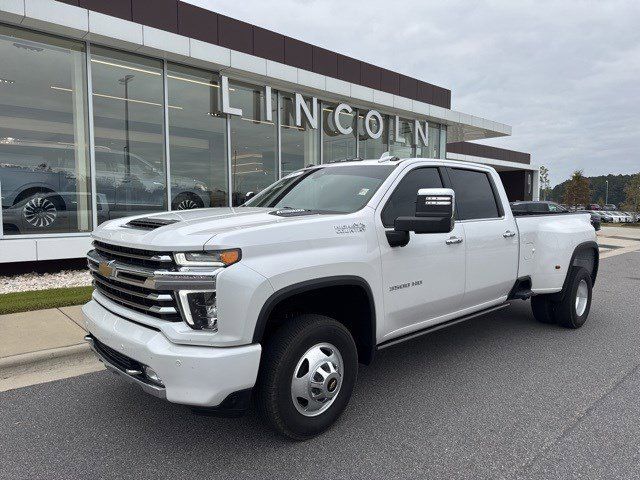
[200, 309]
[152, 375]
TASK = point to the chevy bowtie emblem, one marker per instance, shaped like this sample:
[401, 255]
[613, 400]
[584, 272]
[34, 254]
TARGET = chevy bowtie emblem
[106, 269]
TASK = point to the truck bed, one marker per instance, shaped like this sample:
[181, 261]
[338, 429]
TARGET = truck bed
[547, 242]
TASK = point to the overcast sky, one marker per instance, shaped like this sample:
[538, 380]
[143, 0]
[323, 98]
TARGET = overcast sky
[565, 74]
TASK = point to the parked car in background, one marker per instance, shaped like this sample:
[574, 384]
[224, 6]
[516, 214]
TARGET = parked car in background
[535, 207]
[615, 216]
[605, 217]
[609, 206]
[624, 218]
[593, 206]
[596, 219]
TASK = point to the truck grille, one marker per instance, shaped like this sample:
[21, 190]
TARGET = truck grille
[121, 274]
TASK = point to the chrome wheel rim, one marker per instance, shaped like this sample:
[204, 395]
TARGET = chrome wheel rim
[582, 296]
[40, 212]
[317, 379]
[187, 204]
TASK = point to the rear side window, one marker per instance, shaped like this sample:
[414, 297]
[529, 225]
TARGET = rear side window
[474, 194]
[402, 202]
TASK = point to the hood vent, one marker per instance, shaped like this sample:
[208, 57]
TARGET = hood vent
[149, 223]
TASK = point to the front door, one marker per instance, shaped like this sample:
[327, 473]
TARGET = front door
[423, 280]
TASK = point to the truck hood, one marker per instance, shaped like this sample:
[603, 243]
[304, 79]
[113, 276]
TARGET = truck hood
[192, 229]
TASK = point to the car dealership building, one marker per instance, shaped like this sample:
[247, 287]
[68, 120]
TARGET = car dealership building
[120, 107]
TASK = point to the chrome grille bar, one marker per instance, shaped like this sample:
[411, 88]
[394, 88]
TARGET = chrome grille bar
[163, 258]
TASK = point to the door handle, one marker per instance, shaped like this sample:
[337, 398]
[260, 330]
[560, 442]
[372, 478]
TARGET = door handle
[453, 240]
[509, 234]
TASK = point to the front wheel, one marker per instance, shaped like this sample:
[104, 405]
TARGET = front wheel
[307, 375]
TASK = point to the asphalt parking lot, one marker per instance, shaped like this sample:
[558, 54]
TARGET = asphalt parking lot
[498, 397]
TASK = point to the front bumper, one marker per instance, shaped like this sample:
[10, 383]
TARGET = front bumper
[192, 375]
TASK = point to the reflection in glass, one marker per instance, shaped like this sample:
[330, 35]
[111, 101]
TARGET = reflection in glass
[44, 156]
[197, 140]
[433, 149]
[402, 146]
[372, 148]
[300, 146]
[129, 131]
[253, 141]
[335, 145]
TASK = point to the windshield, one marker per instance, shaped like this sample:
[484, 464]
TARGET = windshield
[343, 189]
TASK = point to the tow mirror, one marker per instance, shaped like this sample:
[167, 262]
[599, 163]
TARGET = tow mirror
[434, 214]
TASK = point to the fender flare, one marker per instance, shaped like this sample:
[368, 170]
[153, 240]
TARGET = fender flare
[308, 285]
[590, 245]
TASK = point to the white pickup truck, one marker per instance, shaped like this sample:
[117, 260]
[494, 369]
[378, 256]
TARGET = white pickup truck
[280, 299]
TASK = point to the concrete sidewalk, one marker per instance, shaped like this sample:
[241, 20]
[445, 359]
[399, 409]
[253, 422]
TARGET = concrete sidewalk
[618, 240]
[41, 346]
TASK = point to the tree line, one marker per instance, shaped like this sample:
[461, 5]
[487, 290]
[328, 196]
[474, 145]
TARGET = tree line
[624, 190]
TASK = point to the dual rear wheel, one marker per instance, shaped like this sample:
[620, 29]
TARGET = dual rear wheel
[572, 308]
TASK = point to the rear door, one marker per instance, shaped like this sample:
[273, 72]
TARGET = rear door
[490, 234]
[424, 279]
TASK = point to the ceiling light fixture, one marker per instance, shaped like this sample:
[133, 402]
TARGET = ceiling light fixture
[126, 67]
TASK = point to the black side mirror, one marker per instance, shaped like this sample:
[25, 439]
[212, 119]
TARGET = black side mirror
[434, 214]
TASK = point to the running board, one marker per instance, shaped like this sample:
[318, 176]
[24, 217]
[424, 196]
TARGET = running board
[440, 326]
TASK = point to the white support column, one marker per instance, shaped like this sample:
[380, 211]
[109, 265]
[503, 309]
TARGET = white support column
[279, 135]
[229, 162]
[536, 184]
[92, 142]
[167, 150]
[443, 141]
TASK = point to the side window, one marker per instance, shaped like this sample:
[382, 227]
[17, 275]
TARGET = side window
[402, 202]
[474, 194]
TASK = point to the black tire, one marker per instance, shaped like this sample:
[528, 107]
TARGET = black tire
[186, 201]
[281, 355]
[569, 312]
[542, 307]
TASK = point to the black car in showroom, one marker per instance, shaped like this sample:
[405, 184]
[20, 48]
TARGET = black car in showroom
[42, 189]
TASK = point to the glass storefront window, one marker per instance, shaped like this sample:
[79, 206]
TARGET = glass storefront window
[433, 149]
[372, 148]
[44, 155]
[401, 147]
[197, 139]
[254, 156]
[336, 145]
[299, 146]
[128, 117]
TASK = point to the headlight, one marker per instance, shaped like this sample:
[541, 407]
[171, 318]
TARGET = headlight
[199, 309]
[219, 258]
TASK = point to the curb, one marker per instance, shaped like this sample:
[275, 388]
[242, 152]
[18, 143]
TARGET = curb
[44, 360]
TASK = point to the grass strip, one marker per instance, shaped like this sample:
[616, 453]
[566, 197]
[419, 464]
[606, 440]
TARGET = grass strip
[41, 299]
